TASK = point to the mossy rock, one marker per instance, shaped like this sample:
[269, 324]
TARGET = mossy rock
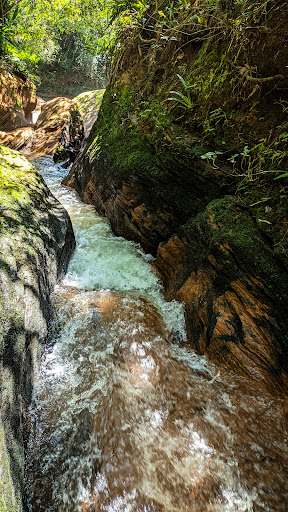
[36, 241]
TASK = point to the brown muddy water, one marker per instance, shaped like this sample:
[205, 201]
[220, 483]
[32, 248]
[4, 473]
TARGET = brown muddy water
[124, 418]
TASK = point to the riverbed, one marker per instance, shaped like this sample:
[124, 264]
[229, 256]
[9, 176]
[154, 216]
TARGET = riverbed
[124, 417]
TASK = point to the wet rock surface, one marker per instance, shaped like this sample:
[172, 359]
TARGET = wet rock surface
[36, 241]
[126, 206]
[233, 287]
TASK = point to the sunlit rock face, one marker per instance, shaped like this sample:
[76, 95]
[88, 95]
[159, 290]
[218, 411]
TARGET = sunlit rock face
[58, 128]
[224, 271]
[17, 100]
[36, 241]
[89, 103]
[21, 138]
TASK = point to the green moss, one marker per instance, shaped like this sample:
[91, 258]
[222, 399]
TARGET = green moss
[17, 176]
[122, 142]
[232, 224]
[237, 231]
[22, 233]
[137, 132]
[209, 73]
[7, 496]
[125, 100]
[21, 187]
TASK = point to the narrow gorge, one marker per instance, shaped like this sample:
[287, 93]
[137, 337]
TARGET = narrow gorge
[143, 269]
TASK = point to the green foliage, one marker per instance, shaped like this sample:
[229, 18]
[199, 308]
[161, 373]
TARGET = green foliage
[211, 157]
[9, 12]
[182, 99]
[262, 158]
[118, 7]
[118, 138]
[212, 120]
[72, 34]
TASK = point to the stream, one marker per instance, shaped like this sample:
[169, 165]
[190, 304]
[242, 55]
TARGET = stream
[126, 419]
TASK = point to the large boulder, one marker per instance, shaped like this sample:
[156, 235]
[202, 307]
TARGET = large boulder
[19, 139]
[59, 128]
[234, 289]
[17, 100]
[89, 103]
[36, 241]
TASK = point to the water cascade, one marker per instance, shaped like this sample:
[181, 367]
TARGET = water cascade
[124, 417]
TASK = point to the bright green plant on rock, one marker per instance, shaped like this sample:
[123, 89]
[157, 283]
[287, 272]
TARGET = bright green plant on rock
[185, 100]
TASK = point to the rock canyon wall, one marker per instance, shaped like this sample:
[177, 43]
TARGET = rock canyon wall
[194, 182]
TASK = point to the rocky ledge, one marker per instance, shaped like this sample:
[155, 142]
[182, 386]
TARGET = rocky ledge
[224, 271]
[58, 129]
[36, 241]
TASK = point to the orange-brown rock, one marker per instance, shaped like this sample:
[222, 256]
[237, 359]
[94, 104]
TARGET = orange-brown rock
[128, 208]
[59, 126]
[230, 282]
[17, 100]
[218, 264]
[18, 139]
[59, 123]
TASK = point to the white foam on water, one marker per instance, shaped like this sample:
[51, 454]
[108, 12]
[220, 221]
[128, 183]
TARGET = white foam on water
[123, 420]
[103, 261]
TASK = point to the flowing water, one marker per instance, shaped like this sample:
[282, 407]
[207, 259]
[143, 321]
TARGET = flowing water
[124, 419]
